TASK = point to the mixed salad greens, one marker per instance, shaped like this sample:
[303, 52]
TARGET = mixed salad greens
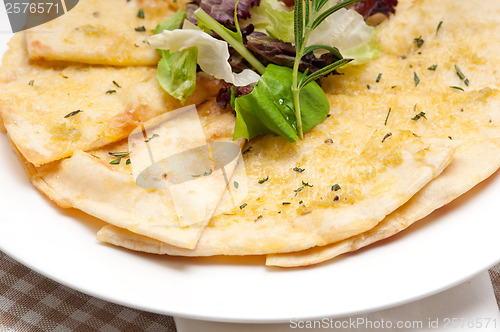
[270, 56]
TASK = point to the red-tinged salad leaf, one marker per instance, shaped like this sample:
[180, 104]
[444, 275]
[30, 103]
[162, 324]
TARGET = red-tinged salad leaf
[269, 50]
[228, 94]
[269, 108]
[223, 10]
[370, 7]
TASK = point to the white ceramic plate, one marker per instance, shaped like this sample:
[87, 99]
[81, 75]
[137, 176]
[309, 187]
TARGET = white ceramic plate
[446, 248]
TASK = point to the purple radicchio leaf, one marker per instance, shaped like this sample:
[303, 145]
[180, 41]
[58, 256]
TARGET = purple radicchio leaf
[370, 7]
[269, 50]
[224, 96]
[222, 10]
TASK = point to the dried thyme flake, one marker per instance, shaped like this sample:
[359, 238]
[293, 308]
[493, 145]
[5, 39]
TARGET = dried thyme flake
[335, 187]
[264, 180]
[72, 114]
[298, 169]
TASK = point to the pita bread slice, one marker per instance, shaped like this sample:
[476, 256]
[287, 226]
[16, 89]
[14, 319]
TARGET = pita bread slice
[477, 159]
[94, 184]
[53, 109]
[2, 127]
[288, 209]
[102, 32]
[471, 117]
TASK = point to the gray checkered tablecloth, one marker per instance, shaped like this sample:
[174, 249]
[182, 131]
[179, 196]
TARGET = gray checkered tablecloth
[31, 302]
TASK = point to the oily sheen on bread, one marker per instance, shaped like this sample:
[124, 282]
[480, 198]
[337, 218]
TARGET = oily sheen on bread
[468, 42]
[52, 109]
[469, 118]
[111, 32]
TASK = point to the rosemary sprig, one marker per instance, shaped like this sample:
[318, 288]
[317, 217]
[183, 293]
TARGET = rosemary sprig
[308, 16]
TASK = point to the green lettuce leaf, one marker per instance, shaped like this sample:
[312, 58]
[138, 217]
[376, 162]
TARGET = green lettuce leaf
[345, 30]
[177, 71]
[173, 22]
[268, 109]
[364, 53]
[274, 18]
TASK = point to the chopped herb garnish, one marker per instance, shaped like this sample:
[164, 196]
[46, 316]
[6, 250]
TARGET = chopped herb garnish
[110, 92]
[415, 78]
[149, 139]
[264, 180]
[457, 87]
[433, 67]
[119, 154]
[387, 117]
[439, 27]
[248, 149]
[386, 137]
[298, 169]
[459, 73]
[196, 175]
[72, 113]
[63, 76]
[335, 187]
[140, 14]
[31, 83]
[306, 184]
[207, 173]
[242, 206]
[286, 203]
[378, 78]
[461, 76]
[236, 184]
[418, 116]
[116, 84]
[140, 29]
[419, 41]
